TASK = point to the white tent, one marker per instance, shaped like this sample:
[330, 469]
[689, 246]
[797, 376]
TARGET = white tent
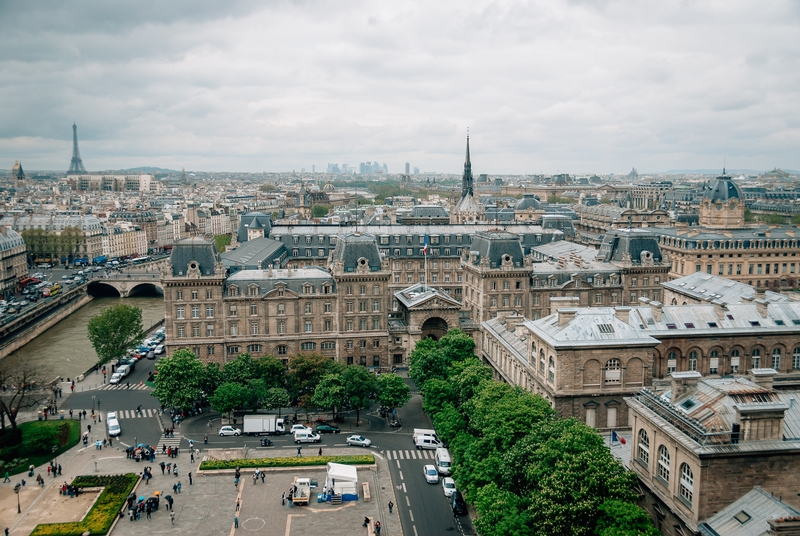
[342, 480]
[339, 471]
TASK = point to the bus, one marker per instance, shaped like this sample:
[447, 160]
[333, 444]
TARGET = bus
[140, 260]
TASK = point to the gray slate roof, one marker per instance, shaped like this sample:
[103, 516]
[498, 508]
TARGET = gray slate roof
[723, 189]
[254, 254]
[354, 247]
[619, 243]
[495, 246]
[204, 252]
[253, 220]
[293, 280]
[709, 288]
[757, 506]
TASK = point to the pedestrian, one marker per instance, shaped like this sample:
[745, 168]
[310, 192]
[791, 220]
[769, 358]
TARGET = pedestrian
[49, 469]
[40, 480]
[169, 452]
[291, 498]
[172, 516]
[89, 427]
[94, 418]
[59, 465]
[255, 479]
[205, 439]
[169, 468]
[147, 510]
[237, 505]
[191, 458]
[391, 505]
[262, 476]
[235, 521]
[164, 447]
[189, 474]
[179, 487]
[70, 414]
[283, 499]
[6, 479]
[175, 488]
[320, 452]
[236, 482]
[163, 466]
[366, 521]
[175, 469]
[298, 449]
[377, 527]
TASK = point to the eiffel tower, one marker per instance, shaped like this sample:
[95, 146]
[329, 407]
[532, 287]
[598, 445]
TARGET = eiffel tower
[76, 165]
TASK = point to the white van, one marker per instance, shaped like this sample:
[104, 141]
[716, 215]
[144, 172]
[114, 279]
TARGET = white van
[427, 442]
[443, 463]
[306, 436]
[113, 427]
[123, 370]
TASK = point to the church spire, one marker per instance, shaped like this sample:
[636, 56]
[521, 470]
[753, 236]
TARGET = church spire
[466, 180]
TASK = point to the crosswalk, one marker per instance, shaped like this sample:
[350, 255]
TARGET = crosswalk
[123, 387]
[171, 442]
[133, 414]
[411, 454]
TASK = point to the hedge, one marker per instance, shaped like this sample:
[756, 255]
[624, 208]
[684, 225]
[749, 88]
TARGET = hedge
[295, 461]
[38, 438]
[106, 508]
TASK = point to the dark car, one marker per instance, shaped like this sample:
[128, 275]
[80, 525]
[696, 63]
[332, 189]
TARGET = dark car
[458, 504]
[327, 429]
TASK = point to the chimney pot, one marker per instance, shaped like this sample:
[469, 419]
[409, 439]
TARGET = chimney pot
[623, 313]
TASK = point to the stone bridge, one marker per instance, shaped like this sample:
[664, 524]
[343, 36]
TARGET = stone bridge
[127, 286]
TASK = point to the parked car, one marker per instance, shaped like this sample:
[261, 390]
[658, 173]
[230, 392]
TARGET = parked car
[431, 474]
[327, 429]
[115, 378]
[449, 486]
[229, 430]
[457, 504]
[299, 427]
[159, 349]
[358, 441]
[151, 354]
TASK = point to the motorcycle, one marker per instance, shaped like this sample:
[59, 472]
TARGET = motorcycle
[266, 442]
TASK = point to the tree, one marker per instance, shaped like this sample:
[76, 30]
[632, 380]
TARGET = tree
[457, 345]
[436, 394]
[277, 398]
[178, 381]
[241, 370]
[393, 391]
[620, 518]
[330, 393]
[360, 387]
[468, 377]
[26, 389]
[222, 240]
[229, 396]
[257, 391]
[272, 371]
[115, 330]
[427, 361]
[306, 371]
[320, 210]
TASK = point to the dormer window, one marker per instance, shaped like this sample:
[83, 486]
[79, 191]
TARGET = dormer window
[253, 290]
[233, 291]
[308, 289]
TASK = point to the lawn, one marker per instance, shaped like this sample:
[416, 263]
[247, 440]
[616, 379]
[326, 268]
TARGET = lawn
[44, 428]
[294, 461]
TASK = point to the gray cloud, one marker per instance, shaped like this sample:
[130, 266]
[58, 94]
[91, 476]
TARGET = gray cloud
[544, 86]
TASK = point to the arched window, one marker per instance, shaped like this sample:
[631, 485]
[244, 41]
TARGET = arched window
[663, 464]
[713, 365]
[692, 360]
[735, 361]
[796, 359]
[672, 362]
[776, 359]
[613, 371]
[551, 375]
[282, 350]
[643, 451]
[541, 362]
[687, 483]
[755, 358]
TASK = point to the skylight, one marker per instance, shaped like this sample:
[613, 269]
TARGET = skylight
[779, 322]
[712, 324]
[742, 517]
[689, 325]
[605, 328]
[755, 323]
[730, 317]
[672, 326]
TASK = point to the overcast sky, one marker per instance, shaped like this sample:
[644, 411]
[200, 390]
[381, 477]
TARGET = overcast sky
[547, 86]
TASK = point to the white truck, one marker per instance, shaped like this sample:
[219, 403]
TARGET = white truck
[255, 425]
[423, 432]
[301, 490]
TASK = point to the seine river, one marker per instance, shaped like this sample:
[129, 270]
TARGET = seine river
[65, 350]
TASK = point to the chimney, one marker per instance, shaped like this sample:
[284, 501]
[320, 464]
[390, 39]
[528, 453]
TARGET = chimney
[719, 309]
[565, 315]
[657, 309]
[513, 320]
[562, 263]
[559, 302]
[784, 526]
[762, 306]
[683, 383]
[623, 313]
[763, 377]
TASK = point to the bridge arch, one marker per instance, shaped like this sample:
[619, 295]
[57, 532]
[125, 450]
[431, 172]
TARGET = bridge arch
[125, 288]
[99, 289]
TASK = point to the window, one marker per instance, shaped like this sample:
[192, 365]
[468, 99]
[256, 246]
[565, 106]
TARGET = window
[210, 330]
[376, 290]
[362, 324]
[796, 359]
[233, 310]
[253, 291]
[686, 484]
[505, 301]
[308, 326]
[281, 327]
[643, 450]
[714, 362]
[194, 294]
[327, 325]
[663, 464]
[180, 313]
[756, 358]
[551, 374]
[734, 361]
[328, 346]
[210, 350]
[517, 301]
[376, 323]
[692, 360]
[376, 306]
[195, 311]
[234, 349]
[362, 289]
[349, 307]
[209, 311]
[362, 344]
[362, 306]
[349, 345]
[493, 301]
[209, 294]
[776, 359]
[253, 309]
[613, 371]
[181, 331]
[282, 350]
[195, 331]
[179, 295]
[253, 328]
[308, 346]
[671, 362]
[307, 307]
[280, 292]
[234, 330]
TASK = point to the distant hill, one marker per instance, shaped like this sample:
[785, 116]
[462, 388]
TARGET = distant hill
[147, 169]
[719, 172]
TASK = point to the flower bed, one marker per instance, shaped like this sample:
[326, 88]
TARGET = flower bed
[106, 508]
[302, 461]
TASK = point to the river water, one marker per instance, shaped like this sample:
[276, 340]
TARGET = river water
[65, 350]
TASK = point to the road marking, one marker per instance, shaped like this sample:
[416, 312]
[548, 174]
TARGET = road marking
[408, 502]
[415, 530]
[411, 515]
[401, 475]
[408, 456]
[289, 522]
[404, 488]
[398, 464]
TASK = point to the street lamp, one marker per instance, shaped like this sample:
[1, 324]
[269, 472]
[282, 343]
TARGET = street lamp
[16, 490]
[93, 397]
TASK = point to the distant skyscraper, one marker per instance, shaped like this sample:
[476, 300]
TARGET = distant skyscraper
[408, 168]
[76, 165]
[416, 170]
